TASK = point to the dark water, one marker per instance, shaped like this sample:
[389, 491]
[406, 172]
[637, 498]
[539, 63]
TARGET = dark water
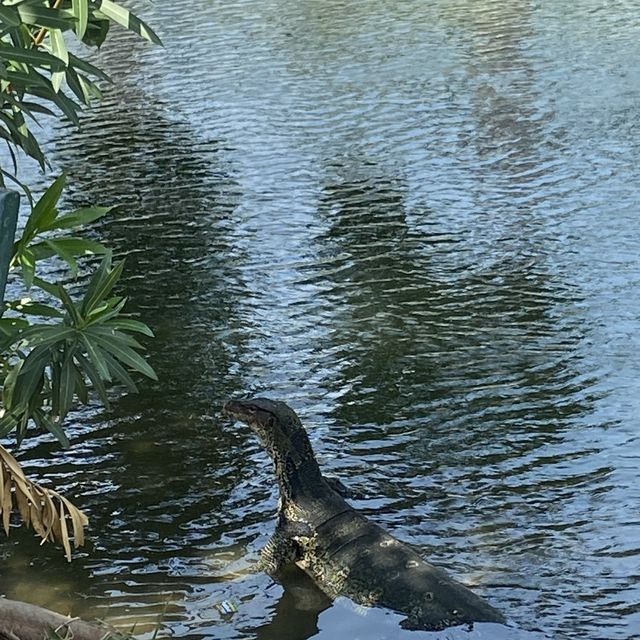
[417, 222]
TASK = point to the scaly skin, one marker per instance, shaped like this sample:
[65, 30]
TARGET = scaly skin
[344, 552]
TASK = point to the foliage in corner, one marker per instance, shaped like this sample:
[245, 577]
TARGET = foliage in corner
[85, 345]
[58, 346]
[39, 74]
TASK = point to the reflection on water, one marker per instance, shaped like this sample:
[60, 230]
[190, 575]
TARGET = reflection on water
[415, 222]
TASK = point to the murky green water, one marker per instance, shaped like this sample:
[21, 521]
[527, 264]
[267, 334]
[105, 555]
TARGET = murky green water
[417, 222]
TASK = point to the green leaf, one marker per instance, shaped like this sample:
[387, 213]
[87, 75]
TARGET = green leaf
[55, 388]
[80, 386]
[15, 135]
[80, 10]
[96, 359]
[83, 88]
[119, 372]
[9, 16]
[97, 31]
[27, 262]
[73, 82]
[87, 67]
[18, 106]
[127, 19]
[59, 50]
[32, 57]
[7, 424]
[61, 251]
[109, 333]
[101, 284]
[126, 355]
[45, 212]
[11, 326]
[23, 82]
[78, 218]
[67, 249]
[38, 108]
[46, 334]
[57, 431]
[104, 312]
[56, 80]
[69, 305]
[18, 182]
[31, 375]
[22, 424]
[32, 148]
[92, 373]
[10, 384]
[67, 384]
[132, 325]
[49, 287]
[89, 88]
[37, 14]
[68, 107]
[36, 309]
[21, 136]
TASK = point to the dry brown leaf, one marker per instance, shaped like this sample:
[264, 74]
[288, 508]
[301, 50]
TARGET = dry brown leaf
[45, 510]
[2, 497]
[6, 505]
[79, 520]
[65, 533]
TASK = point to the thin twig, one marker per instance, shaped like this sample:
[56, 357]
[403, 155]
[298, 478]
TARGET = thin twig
[43, 30]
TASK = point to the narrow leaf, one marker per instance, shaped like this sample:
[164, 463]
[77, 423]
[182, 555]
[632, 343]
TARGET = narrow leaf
[59, 434]
[87, 67]
[120, 373]
[70, 306]
[78, 218]
[45, 210]
[67, 385]
[94, 376]
[80, 386]
[30, 377]
[44, 16]
[33, 57]
[68, 107]
[132, 325]
[63, 253]
[9, 16]
[73, 82]
[27, 262]
[49, 287]
[126, 355]
[36, 309]
[96, 360]
[80, 10]
[101, 284]
[59, 50]
[89, 88]
[46, 334]
[127, 19]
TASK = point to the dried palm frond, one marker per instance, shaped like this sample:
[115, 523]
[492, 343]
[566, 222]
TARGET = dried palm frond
[43, 509]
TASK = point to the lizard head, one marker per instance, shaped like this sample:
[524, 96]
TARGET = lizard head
[276, 425]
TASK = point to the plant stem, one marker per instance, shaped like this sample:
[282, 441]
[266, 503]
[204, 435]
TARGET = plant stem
[43, 30]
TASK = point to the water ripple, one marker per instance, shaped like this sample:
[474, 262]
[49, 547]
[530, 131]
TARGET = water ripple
[415, 222]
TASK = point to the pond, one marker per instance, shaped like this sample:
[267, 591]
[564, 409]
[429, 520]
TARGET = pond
[416, 223]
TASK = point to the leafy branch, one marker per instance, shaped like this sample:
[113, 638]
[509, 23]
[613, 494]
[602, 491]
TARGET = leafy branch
[36, 65]
[87, 344]
[56, 349]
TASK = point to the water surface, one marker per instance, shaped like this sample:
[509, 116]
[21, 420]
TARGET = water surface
[417, 224]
